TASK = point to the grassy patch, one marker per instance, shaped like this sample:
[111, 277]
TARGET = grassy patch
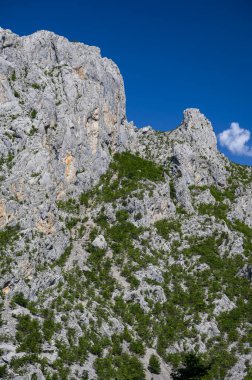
[130, 171]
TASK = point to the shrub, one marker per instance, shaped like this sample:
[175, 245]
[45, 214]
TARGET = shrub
[33, 130]
[138, 216]
[20, 300]
[96, 348]
[172, 190]
[154, 365]
[49, 326]
[104, 368]
[33, 114]
[208, 250]
[84, 199]
[123, 367]
[122, 232]
[71, 223]
[116, 345]
[102, 221]
[192, 368]
[3, 371]
[137, 347]
[8, 236]
[165, 227]
[36, 86]
[17, 362]
[129, 368]
[122, 216]
[28, 334]
[63, 258]
[13, 76]
[248, 375]
[69, 206]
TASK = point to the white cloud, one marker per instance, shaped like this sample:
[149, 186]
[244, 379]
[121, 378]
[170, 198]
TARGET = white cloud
[235, 139]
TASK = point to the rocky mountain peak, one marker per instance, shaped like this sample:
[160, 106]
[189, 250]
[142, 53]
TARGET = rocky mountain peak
[121, 249]
[198, 131]
[66, 100]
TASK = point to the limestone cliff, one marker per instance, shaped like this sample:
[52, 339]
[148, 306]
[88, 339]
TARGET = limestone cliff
[116, 243]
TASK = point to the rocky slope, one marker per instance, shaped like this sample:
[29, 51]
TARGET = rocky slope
[116, 243]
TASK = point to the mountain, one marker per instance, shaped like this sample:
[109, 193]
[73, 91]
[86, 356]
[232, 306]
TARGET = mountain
[125, 253]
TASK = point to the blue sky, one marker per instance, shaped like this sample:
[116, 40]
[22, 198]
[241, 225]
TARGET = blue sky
[172, 55]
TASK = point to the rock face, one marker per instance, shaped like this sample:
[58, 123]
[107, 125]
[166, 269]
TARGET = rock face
[196, 160]
[115, 242]
[63, 101]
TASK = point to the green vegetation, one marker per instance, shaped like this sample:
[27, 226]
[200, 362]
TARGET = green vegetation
[8, 161]
[137, 347]
[13, 76]
[3, 371]
[123, 232]
[36, 86]
[84, 199]
[33, 114]
[63, 258]
[34, 175]
[131, 171]
[49, 325]
[123, 367]
[69, 206]
[33, 130]
[192, 368]
[136, 168]
[121, 235]
[247, 233]
[28, 334]
[154, 365]
[249, 374]
[243, 228]
[16, 363]
[221, 195]
[172, 190]
[99, 276]
[8, 236]
[239, 174]
[20, 300]
[165, 227]
[71, 223]
[76, 353]
[197, 269]
[217, 210]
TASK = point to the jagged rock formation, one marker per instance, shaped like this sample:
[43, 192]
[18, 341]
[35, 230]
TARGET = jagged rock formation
[116, 243]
